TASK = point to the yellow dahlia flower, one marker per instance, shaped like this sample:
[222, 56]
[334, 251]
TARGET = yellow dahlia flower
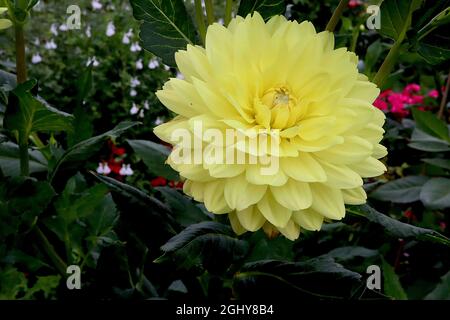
[280, 77]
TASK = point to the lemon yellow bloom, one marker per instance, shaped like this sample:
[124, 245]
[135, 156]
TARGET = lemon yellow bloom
[280, 75]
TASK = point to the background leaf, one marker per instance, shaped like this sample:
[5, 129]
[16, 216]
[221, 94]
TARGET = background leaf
[266, 8]
[403, 190]
[166, 27]
[154, 156]
[435, 194]
[391, 284]
[397, 228]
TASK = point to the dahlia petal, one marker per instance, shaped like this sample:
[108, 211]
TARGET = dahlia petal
[353, 150]
[315, 128]
[379, 151]
[254, 175]
[251, 218]
[213, 197]
[239, 194]
[303, 168]
[274, 212]
[235, 224]
[364, 90]
[354, 196]
[308, 219]
[341, 176]
[164, 131]
[294, 195]
[194, 189]
[317, 145]
[291, 230]
[369, 168]
[327, 201]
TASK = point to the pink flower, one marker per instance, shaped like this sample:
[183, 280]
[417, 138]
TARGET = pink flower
[411, 88]
[354, 3]
[380, 104]
[433, 94]
[397, 101]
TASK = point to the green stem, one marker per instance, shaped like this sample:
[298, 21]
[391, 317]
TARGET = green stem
[336, 15]
[388, 64]
[200, 19]
[21, 66]
[209, 12]
[59, 264]
[228, 9]
[355, 36]
[444, 97]
[24, 157]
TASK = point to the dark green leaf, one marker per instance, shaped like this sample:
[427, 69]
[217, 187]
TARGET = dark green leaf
[435, 193]
[33, 114]
[184, 210]
[263, 248]
[133, 193]
[430, 124]
[391, 283]
[211, 244]
[349, 253]
[154, 156]
[442, 290]
[396, 17]
[403, 190]
[424, 142]
[84, 149]
[10, 160]
[45, 284]
[441, 163]
[397, 228]
[166, 27]
[12, 284]
[267, 8]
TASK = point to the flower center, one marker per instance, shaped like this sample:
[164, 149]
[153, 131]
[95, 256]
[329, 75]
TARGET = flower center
[278, 97]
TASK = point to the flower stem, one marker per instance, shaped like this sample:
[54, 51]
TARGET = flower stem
[210, 12]
[336, 15]
[388, 63]
[199, 18]
[21, 67]
[228, 9]
[59, 264]
[444, 97]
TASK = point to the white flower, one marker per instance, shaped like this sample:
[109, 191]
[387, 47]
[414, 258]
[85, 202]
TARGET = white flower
[159, 121]
[103, 168]
[146, 105]
[134, 109]
[180, 76]
[36, 42]
[133, 93]
[51, 45]
[126, 170]
[134, 82]
[126, 36]
[135, 47]
[141, 113]
[96, 5]
[63, 27]
[110, 29]
[54, 29]
[139, 64]
[166, 67]
[153, 64]
[92, 60]
[36, 58]
[88, 31]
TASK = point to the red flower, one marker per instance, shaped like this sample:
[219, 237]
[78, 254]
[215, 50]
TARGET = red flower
[176, 184]
[115, 165]
[354, 3]
[159, 181]
[433, 94]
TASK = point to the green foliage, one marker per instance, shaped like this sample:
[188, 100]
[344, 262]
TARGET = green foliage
[266, 8]
[154, 156]
[166, 27]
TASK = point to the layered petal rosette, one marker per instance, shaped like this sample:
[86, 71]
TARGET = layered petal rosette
[281, 126]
